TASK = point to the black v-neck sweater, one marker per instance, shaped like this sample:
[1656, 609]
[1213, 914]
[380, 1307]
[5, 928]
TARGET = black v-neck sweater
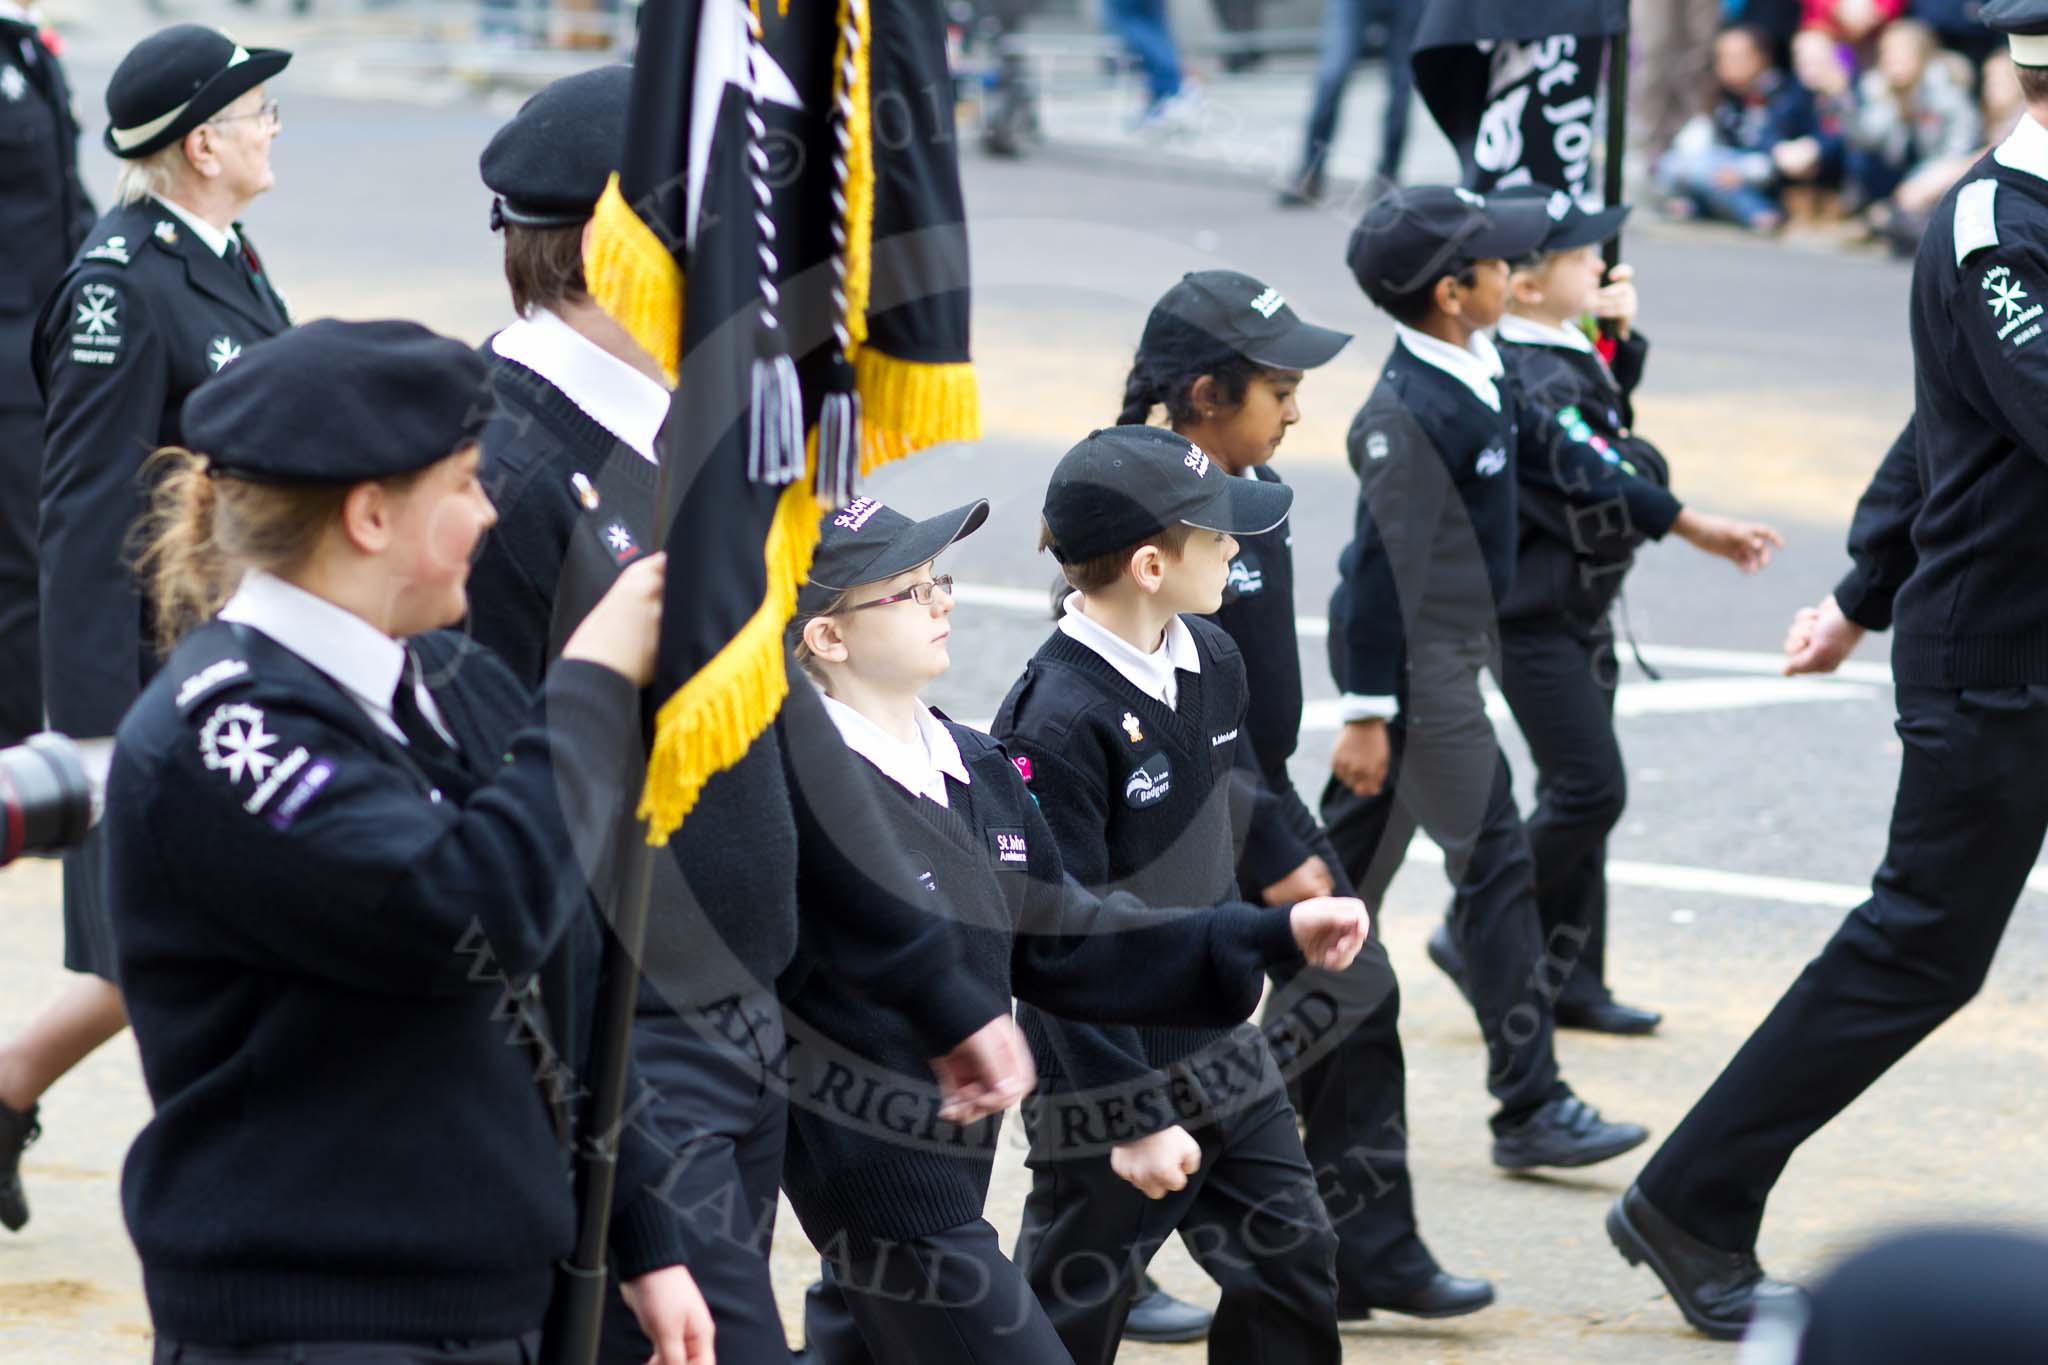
[1138, 797]
[871, 1163]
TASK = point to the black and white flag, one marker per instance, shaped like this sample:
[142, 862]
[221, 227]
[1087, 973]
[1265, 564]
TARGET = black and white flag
[1515, 85]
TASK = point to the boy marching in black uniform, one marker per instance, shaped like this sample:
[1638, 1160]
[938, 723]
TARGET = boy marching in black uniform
[346, 872]
[1412, 623]
[570, 453]
[1127, 718]
[164, 293]
[1224, 355]
[1947, 552]
[1557, 664]
[913, 1271]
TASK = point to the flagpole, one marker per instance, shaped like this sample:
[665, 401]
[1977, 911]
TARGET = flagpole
[1617, 132]
[576, 1326]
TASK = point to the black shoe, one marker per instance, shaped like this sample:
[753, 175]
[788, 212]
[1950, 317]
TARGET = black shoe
[1158, 1316]
[1607, 1016]
[1565, 1132]
[17, 1130]
[1444, 953]
[1715, 1289]
[1442, 1295]
[1305, 191]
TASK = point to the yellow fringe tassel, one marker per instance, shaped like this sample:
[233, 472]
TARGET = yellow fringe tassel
[907, 405]
[860, 174]
[634, 277]
[712, 719]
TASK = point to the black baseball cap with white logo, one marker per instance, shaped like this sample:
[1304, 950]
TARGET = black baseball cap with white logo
[1214, 314]
[1122, 484]
[1414, 236]
[1571, 226]
[866, 542]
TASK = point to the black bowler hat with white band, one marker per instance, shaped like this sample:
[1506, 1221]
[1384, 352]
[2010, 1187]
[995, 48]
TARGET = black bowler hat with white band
[175, 80]
[2025, 26]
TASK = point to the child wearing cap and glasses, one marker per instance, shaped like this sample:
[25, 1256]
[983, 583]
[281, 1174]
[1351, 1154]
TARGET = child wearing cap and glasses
[1128, 718]
[1224, 355]
[913, 1271]
[1413, 621]
[1557, 667]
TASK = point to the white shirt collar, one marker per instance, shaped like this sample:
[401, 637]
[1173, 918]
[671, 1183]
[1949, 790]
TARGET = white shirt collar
[367, 663]
[2026, 149]
[216, 241]
[610, 392]
[921, 768]
[1152, 674]
[1475, 366]
[1530, 332]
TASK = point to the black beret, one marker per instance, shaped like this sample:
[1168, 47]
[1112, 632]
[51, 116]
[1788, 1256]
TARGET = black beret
[173, 81]
[549, 165]
[339, 402]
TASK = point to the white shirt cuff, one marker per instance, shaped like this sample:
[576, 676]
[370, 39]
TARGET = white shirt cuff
[1352, 707]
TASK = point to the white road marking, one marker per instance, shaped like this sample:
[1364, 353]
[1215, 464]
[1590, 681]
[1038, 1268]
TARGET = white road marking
[1712, 881]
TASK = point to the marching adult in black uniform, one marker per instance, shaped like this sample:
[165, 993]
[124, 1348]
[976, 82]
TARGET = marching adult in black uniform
[165, 292]
[571, 459]
[347, 873]
[1947, 550]
[44, 215]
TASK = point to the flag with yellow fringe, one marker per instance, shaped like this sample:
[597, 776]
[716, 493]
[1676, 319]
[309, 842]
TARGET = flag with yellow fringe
[786, 235]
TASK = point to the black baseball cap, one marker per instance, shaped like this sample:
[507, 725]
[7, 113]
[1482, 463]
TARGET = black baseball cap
[1571, 226]
[1122, 484]
[174, 80]
[1413, 236]
[338, 402]
[866, 542]
[1215, 314]
[550, 164]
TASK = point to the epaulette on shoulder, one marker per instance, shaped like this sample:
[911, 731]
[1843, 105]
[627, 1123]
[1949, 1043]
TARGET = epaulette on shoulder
[114, 249]
[1976, 224]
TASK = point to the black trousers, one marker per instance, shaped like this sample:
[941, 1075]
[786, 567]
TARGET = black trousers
[523, 1350]
[1559, 681]
[1351, 1091]
[21, 655]
[1967, 825]
[721, 1111]
[949, 1298]
[1250, 1217]
[1448, 776]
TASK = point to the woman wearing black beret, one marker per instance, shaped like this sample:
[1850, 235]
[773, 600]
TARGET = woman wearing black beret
[348, 890]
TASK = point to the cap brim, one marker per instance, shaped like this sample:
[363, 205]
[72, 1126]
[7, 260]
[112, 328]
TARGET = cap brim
[1517, 227]
[1303, 348]
[1244, 507]
[1587, 229]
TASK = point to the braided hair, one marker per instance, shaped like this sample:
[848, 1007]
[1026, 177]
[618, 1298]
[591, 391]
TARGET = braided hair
[1174, 357]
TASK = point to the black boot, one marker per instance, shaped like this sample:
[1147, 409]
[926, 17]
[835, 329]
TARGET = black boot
[17, 1130]
[1158, 1316]
[1715, 1289]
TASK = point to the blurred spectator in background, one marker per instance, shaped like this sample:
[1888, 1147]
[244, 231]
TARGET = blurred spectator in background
[1239, 20]
[1902, 220]
[1855, 22]
[1669, 82]
[1915, 108]
[1173, 102]
[1723, 163]
[1343, 38]
[1812, 166]
[1955, 22]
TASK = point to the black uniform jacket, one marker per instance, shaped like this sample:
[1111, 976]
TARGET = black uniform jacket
[344, 976]
[145, 314]
[44, 210]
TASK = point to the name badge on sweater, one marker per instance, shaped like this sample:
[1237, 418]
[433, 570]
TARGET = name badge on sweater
[1008, 845]
[1149, 784]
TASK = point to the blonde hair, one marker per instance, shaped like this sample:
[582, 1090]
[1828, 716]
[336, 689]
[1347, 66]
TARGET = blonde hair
[203, 530]
[149, 175]
[805, 659]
